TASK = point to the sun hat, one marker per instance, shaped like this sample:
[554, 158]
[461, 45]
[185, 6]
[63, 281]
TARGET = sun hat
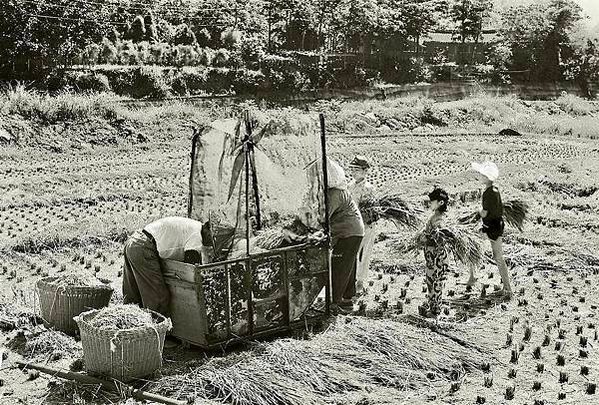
[360, 162]
[336, 175]
[487, 169]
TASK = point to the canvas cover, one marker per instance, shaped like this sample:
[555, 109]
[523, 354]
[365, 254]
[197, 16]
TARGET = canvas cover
[285, 176]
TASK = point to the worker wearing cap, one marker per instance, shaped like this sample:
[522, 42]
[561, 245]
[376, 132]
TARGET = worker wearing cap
[492, 218]
[361, 190]
[175, 238]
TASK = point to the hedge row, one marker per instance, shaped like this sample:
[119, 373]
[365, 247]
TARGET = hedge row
[157, 82]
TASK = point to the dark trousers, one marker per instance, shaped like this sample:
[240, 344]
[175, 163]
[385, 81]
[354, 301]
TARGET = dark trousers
[343, 267]
[143, 283]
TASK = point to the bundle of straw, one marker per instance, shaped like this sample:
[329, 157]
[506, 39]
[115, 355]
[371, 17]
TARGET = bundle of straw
[514, 214]
[122, 317]
[460, 241]
[391, 207]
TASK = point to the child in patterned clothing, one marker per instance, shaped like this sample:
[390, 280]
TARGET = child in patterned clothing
[435, 255]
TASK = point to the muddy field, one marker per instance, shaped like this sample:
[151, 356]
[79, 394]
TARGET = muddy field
[70, 211]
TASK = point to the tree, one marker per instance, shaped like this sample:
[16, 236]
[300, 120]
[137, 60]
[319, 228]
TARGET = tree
[137, 33]
[419, 19]
[537, 34]
[184, 35]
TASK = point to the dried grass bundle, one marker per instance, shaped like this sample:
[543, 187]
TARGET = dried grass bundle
[514, 214]
[457, 240]
[391, 207]
[126, 316]
[354, 354]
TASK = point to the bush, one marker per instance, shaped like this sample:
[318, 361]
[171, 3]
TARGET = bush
[230, 38]
[219, 80]
[248, 81]
[89, 81]
[221, 58]
[148, 82]
[190, 81]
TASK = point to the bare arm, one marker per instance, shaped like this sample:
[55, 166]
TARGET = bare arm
[483, 213]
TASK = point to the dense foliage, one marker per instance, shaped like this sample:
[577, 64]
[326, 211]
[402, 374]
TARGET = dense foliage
[382, 39]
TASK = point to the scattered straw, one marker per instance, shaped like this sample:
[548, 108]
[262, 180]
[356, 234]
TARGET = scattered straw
[122, 317]
[353, 355]
[47, 345]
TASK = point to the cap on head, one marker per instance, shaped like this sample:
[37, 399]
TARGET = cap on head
[360, 162]
[487, 169]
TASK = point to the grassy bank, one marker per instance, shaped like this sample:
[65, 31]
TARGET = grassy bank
[28, 116]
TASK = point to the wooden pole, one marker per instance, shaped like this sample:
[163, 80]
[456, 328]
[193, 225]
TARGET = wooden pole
[247, 181]
[327, 228]
[106, 385]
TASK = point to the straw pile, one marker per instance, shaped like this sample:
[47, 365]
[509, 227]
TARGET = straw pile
[76, 280]
[354, 354]
[47, 345]
[122, 317]
[391, 207]
[457, 240]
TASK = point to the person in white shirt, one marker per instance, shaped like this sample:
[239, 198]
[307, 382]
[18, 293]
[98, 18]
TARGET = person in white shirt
[361, 190]
[175, 238]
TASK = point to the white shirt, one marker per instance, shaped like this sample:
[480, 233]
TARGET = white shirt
[175, 235]
[361, 190]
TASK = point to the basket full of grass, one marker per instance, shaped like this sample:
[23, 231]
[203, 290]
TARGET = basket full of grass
[123, 342]
[62, 298]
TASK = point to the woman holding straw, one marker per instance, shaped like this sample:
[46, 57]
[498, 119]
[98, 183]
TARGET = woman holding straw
[435, 253]
[492, 219]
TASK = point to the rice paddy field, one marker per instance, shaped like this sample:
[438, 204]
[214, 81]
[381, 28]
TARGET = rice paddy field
[78, 176]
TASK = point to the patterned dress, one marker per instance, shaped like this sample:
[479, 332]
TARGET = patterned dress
[437, 265]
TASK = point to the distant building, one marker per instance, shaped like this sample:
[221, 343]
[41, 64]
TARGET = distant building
[444, 42]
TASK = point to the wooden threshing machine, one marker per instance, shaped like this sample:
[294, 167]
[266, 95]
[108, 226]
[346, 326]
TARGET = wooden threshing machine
[249, 292]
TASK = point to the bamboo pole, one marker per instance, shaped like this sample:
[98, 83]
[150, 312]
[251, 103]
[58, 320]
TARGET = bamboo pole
[106, 385]
[327, 228]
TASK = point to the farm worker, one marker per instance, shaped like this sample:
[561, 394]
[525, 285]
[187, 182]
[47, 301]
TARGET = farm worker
[360, 190]
[492, 218]
[347, 231]
[435, 256]
[174, 238]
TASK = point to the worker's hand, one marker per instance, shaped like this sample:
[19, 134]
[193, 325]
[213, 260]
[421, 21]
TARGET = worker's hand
[316, 236]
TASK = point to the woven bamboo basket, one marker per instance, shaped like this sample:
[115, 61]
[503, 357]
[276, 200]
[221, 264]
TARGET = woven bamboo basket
[122, 354]
[59, 304]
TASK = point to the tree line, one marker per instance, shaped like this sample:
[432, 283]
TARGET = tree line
[540, 37]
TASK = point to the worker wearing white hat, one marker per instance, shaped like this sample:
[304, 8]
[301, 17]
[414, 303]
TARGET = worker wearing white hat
[492, 218]
[347, 231]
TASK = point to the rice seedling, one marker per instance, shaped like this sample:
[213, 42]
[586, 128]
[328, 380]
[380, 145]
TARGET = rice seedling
[515, 354]
[540, 368]
[481, 400]
[510, 392]
[563, 377]
[527, 333]
[561, 360]
[536, 386]
[536, 354]
[583, 353]
[509, 339]
[512, 373]
[579, 330]
[591, 388]
[546, 341]
[561, 396]
[584, 370]
[488, 382]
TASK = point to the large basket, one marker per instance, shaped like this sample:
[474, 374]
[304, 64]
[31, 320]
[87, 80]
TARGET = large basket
[59, 304]
[122, 354]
